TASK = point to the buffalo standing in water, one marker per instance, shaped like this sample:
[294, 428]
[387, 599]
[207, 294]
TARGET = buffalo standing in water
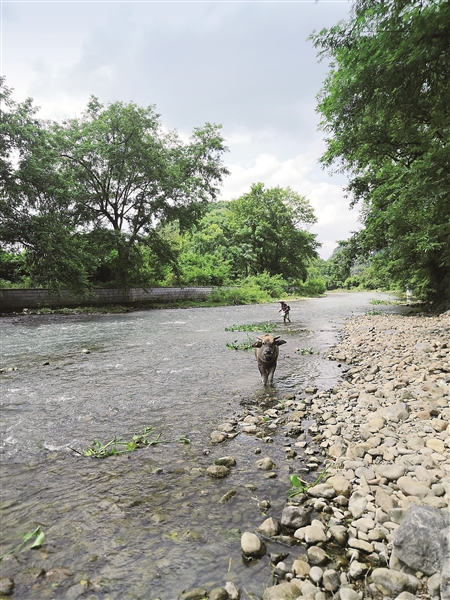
[266, 353]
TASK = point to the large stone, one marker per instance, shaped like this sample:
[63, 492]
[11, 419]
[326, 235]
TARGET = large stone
[265, 464]
[339, 534]
[322, 490]
[287, 590]
[395, 412]
[347, 593]
[252, 546]
[385, 500]
[331, 580]
[6, 586]
[218, 593]
[317, 555]
[411, 487]
[195, 594]
[392, 583]
[300, 568]
[418, 540]
[314, 534]
[269, 527]
[295, 517]
[390, 472]
[217, 471]
[340, 484]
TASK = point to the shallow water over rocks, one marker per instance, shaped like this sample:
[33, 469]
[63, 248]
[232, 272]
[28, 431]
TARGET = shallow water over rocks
[148, 524]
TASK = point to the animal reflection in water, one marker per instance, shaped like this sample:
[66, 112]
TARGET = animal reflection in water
[266, 353]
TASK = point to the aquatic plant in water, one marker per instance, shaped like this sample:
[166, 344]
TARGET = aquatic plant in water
[37, 533]
[263, 327]
[118, 446]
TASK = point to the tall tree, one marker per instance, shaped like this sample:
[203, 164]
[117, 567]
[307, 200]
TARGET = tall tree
[129, 176]
[269, 227]
[385, 108]
[94, 192]
[35, 212]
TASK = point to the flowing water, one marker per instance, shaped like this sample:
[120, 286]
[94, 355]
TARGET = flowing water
[147, 524]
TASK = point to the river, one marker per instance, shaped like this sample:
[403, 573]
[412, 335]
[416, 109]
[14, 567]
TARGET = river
[146, 524]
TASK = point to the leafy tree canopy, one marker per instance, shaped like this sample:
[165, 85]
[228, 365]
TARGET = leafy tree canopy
[103, 183]
[385, 109]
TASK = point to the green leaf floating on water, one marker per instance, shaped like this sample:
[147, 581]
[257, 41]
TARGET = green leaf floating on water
[37, 533]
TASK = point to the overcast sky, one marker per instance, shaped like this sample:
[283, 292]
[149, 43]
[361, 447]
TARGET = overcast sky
[247, 65]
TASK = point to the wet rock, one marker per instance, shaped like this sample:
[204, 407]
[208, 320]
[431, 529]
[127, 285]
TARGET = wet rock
[6, 586]
[227, 461]
[217, 471]
[331, 580]
[393, 583]
[295, 517]
[270, 527]
[233, 592]
[217, 437]
[194, 594]
[252, 546]
[265, 464]
[287, 590]
[218, 593]
[58, 574]
[301, 568]
[317, 555]
[228, 496]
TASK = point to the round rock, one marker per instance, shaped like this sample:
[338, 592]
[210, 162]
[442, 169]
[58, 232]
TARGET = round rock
[252, 546]
[217, 471]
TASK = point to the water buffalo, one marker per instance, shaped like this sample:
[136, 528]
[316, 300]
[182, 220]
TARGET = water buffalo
[266, 353]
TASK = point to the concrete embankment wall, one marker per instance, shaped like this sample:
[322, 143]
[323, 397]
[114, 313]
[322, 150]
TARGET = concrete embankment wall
[17, 300]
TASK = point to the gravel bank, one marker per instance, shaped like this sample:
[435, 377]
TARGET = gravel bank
[377, 524]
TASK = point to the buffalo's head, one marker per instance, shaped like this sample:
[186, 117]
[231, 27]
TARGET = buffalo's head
[268, 346]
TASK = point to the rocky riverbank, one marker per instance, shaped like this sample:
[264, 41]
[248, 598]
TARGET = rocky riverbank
[377, 523]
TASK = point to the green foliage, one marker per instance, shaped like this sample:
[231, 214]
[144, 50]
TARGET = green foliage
[203, 269]
[300, 487]
[237, 345]
[266, 226]
[117, 446]
[310, 287]
[384, 107]
[39, 539]
[259, 327]
[87, 198]
[239, 295]
[274, 285]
